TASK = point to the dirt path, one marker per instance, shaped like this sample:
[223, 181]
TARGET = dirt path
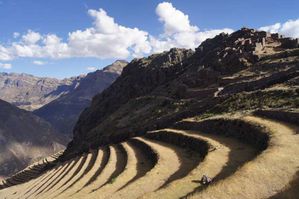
[266, 175]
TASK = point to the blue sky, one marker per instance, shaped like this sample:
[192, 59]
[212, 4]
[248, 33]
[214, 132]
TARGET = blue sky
[62, 38]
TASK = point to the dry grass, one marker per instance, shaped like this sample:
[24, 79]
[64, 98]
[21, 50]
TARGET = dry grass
[172, 168]
[268, 174]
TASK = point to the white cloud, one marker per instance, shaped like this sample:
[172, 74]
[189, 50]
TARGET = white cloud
[16, 35]
[272, 28]
[5, 65]
[174, 20]
[91, 68]
[108, 39]
[178, 31]
[31, 37]
[38, 62]
[5, 55]
[290, 28]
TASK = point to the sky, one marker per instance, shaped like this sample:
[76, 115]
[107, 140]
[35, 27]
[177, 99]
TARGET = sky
[63, 38]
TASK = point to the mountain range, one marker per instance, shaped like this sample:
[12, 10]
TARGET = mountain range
[182, 124]
[64, 111]
[29, 92]
[59, 102]
[27, 136]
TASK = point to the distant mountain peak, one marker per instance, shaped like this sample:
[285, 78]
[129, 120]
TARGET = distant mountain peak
[116, 67]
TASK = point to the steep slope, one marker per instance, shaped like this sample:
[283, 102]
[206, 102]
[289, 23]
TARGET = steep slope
[229, 111]
[24, 139]
[63, 112]
[29, 92]
[219, 76]
[139, 78]
[256, 163]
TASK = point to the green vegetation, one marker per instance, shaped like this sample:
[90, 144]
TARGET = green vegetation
[259, 100]
[112, 180]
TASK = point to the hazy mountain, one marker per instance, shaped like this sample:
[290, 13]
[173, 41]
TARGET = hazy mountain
[24, 138]
[63, 112]
[29, 92]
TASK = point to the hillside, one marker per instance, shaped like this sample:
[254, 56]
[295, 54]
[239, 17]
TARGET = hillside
[228, 110]
[245, 70]
[24, 138]
[64, 111]
[29, 92]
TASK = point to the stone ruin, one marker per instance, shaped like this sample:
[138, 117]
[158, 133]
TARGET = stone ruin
[289, 43]
[232, 52]
[259, 39]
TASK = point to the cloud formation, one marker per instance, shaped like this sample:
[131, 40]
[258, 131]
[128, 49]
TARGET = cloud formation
[91, 68]
[106, 39]
[178, 31]
[289, 28]
[5, 66]
[174, 20]
[38, 62]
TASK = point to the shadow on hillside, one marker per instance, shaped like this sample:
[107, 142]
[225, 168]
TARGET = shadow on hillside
[147, 159]
[121, 163]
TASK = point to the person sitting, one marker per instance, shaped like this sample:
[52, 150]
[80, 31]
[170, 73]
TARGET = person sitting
[205, 180]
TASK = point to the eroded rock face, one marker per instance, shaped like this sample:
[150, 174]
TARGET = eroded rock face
[64, 111]
[156, 91]
[24, 138]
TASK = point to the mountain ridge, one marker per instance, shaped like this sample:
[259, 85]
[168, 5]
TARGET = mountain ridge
[63, 112]
[201, 75]
[177, 121]
[30, 92]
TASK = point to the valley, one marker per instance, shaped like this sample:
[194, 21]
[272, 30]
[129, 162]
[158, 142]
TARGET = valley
[228, 111]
